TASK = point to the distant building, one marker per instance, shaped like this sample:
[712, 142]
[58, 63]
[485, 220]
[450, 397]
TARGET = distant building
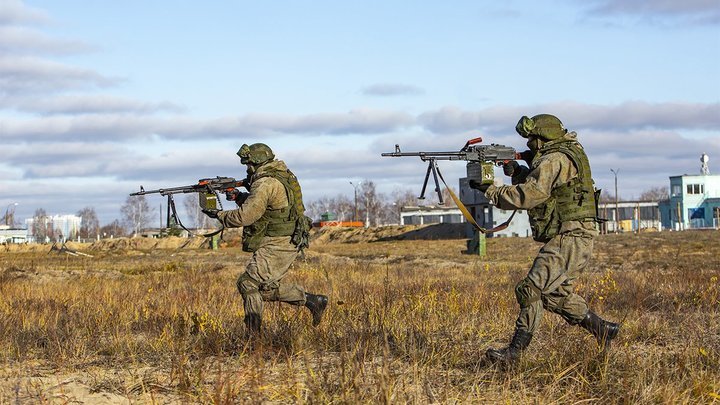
[12, 235]
[694, 202]
[631, 216]
[58, 228]
[423, 215]
[329, 219]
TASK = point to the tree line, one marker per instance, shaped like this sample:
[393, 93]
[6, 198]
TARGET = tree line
[366, 205]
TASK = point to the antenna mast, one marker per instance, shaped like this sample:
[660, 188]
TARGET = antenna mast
[704, 168]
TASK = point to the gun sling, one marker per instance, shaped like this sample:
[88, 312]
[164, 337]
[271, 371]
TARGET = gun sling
[466, 213]
[171, 204]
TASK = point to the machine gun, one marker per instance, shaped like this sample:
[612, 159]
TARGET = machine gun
[480, 167]
[208, 195]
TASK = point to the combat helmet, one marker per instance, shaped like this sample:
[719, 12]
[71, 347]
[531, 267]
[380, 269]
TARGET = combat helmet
[257, 153]
[545, 126]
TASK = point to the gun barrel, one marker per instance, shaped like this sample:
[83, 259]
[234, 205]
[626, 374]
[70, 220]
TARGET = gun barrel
[217, 183]
[429, 155]
[169, 190]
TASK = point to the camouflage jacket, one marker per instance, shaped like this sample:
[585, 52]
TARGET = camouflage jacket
[551, 170]
[265, 193]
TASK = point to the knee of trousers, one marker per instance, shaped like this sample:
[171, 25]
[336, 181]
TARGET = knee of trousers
[527, 293]
[246, 285]
[573, 314]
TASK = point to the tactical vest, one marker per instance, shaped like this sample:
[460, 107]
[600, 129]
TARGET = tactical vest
[575, 200]
[288, 221]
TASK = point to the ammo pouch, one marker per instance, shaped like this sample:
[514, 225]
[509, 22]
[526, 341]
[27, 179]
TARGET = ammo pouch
[544, 221]
[301, 235]
[598, 218]
[576, 200]
[288, 221]
[252, 235]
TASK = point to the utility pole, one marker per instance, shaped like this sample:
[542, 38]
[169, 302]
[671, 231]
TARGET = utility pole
[367, 211]
[617, 219]
[355, 217]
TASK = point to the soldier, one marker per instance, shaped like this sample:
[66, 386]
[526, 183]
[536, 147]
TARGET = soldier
[275, 230]
[558, 192]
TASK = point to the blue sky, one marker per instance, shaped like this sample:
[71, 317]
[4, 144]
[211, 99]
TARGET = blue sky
[99, 97]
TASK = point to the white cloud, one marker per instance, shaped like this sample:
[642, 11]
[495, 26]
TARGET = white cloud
[86, 104]
[15, 12]
[116, 127]
[19, 40]
[686, 11]
[623, 117]
[20, 75]
[392, 89]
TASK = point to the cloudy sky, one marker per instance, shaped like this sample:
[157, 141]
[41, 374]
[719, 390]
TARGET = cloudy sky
[100, 97]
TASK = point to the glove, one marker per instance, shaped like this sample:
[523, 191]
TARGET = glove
[527, 156]
[211, 213]
[510, 168]
[232, 194]
[479, 185]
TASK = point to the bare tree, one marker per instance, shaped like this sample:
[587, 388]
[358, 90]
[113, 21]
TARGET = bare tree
[195, 217]
[370, 203]
[340, 206]
[607, 198]
[447, 199]
[392, 206]
[40, 226]
[373, 207]
[113, 229]
[404, 197]
[89, 224]
[657, 193]
[137, 213]
[343, 207]
[315, 209]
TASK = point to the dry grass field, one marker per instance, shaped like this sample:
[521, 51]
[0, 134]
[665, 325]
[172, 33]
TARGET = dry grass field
[409, 322]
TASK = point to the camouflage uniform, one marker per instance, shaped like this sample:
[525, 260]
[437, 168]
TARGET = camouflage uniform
[559, 194]
[562, 259]
[262, 279]
[275, 230]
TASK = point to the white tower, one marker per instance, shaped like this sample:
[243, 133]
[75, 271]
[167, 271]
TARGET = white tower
[704, 159]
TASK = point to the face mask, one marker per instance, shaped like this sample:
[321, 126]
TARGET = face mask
[534, 143]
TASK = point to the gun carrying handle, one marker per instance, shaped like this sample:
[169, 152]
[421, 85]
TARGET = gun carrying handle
[472, 142]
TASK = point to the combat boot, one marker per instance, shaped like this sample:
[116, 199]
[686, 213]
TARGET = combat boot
[520, 341]
[316, 304]
[603, 330]
[253, 323]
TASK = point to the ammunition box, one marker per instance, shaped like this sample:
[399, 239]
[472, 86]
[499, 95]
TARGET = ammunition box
[481, 172]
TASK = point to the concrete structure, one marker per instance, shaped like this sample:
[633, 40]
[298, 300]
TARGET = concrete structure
[424, 215]
[694, 202]
[631, 216]
[12, 235]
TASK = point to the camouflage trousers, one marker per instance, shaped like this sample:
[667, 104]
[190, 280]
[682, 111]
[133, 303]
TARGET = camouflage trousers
[262, 279]
[551, 280]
